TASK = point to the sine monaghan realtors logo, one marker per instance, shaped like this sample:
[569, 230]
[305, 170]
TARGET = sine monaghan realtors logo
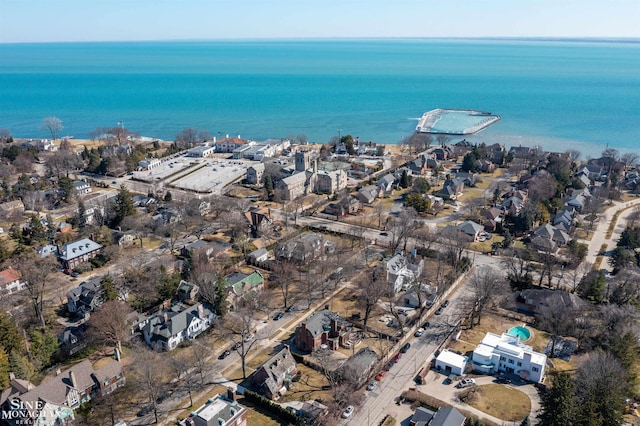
[24, 412]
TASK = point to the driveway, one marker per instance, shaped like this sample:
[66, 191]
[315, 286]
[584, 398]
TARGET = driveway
[436, 387]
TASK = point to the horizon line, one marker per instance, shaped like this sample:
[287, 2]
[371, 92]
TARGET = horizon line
[594, 39]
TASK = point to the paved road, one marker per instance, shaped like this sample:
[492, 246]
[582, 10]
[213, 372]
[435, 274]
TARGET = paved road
[380, 402]
[600, 234]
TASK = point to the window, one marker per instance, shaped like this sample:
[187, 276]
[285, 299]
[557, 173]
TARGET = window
[510, 361]
[535, 369]
[502, 358]
[519, 364]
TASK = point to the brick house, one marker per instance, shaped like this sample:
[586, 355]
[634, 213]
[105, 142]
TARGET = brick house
[322, 328]
[73, 254]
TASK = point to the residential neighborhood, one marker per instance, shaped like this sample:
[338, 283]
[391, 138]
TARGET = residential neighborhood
[227, 280]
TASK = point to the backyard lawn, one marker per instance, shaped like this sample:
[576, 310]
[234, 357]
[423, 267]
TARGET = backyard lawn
[503, 402]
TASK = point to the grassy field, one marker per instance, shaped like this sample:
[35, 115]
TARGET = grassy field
[309, 387]
[503, 402]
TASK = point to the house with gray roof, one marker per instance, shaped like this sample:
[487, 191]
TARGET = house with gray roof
[445, 416]
[302, 249]
[255, 174]
[400, 271]
[368, 194]
[84, 298]
[274, 376]
[322, 328]
[59, 396]
[358, 367]
[172, 326]
[385, 183]
[218, 411]
[471, 229]
[548, 232]
[537, 301]
[451, 189]
[73, 254]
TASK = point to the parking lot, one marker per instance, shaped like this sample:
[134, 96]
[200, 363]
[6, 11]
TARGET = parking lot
[196, 174]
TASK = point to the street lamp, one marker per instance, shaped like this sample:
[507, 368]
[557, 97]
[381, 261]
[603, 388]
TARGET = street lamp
[339, 132]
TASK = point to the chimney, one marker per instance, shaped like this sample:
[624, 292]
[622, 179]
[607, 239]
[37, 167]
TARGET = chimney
[57, 371]
[215, 139]
[231, 394]
[326, 306]
[227, 135]
[165, 317]
[116, 354]
[238, 136]
[200, 311]
[58, 249]
[12, 375]
[72, 377]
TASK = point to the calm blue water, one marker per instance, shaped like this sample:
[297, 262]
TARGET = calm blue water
[557, 94]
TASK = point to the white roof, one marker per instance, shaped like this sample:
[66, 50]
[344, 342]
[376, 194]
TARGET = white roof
[452, 358]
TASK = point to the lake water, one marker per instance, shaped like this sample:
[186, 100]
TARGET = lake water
[556, 94]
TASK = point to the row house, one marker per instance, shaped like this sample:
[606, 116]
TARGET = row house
[73, 254]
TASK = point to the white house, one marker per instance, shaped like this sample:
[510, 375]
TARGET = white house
[506, 354]
[449, 362]
[172, 326]
[149, 163]
[10, 281]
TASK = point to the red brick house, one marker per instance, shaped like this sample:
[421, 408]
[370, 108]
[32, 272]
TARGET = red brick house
[322, 328]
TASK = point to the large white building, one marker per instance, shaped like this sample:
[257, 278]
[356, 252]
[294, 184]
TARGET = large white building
[506, 354]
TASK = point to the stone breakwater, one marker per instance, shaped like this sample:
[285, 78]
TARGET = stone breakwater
[455, 122]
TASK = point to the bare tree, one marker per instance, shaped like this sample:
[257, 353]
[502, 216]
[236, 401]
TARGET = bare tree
[516, 263]
[199, 357]
[372, 290]
[241, 326]
[578, 273]
[36, 274]
[558, 320]
[402, 227]
[629, 159]
[53, 125]
[625, 288]
[486, 284]
[150, 372]
[284, 272]
[108, 324]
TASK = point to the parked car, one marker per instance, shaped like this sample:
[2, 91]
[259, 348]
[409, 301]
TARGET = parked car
[237, 345]
[347, 412]
[439, 311]
[380, 375]
[465, 383]
[405, 348]
[278, 316]
[426, 325]
[384, 234]
[388, 365]
[419, 332]
[397, 357]
[290, 308]
[249, 337]
[503, 380]
[372, 385]
[224, 354]
[445, 304]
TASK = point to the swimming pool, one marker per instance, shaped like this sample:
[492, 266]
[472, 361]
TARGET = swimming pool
[520, 331]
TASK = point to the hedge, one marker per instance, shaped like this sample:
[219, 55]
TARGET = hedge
[273, 407]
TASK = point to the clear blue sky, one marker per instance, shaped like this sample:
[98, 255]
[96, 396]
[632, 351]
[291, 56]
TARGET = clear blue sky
[101, 20]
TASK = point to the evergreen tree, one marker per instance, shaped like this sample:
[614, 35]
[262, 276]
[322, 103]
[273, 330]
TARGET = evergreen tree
[405, 180]
[526, 422]
[558, 403]
[221, 305]
[21, 366]
[108, 288]
[38, 233]
[66, 188]
[44, 345]
[268, 185]
[82, 218]
[4, 369]
[10, 336]
[124, 205]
